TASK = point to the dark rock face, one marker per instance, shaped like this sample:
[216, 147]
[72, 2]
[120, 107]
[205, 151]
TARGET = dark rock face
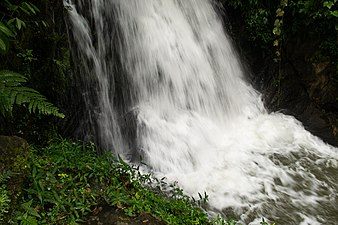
[298, 86]
[14, 155]
[306, 90]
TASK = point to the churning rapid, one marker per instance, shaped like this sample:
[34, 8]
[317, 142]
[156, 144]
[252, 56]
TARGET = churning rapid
[162, 82]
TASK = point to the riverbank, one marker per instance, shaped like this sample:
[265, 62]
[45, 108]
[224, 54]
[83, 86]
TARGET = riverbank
[68, 183]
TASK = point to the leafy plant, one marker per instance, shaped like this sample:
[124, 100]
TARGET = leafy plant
[4, 202]
[5, 35]
[258, 16]
[12, 92]
[30, 215]
[274, 26]
[10, 22]
[69, 180]
[4, 196]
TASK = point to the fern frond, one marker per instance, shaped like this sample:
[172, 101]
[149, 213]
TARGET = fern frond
[10, 78]
[12, 92]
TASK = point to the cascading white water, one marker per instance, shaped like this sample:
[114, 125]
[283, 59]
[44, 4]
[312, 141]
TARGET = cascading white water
[198, 122]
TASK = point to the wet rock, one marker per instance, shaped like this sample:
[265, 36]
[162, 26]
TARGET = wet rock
[304, 88]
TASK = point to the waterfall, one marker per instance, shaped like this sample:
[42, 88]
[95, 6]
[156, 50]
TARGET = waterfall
[162, 83]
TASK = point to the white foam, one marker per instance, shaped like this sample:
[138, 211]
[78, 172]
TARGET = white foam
[201, 124]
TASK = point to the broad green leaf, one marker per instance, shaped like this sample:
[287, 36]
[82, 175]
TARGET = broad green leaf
[24, 10]
[45, 24]
[277, 31]
[328, 4]
[6, 30]
[33, 212]
[3, 46]
[278, 54]
[279, 12]
[31, 220]
[28, 7]
[19, 23]
[11, 21]
[5, 41]
[284, 3]
[277, 23]
[35, 8]
[334, 13]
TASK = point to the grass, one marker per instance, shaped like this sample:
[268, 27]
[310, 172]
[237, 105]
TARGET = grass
[69, 180]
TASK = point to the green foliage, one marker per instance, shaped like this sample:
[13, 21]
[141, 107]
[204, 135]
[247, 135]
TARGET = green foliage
[274, 25]
[5, 35]
[31, 41]
[4, 196]
[68, 180]
[315, 9]
[4, 202]
[12, 92]
[320, 19]
[29, 215]
[265, 20]
[258, 18]
[277, 30]
[27, 56]
[10, 22]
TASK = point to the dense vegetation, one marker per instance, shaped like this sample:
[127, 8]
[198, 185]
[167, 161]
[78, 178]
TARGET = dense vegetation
[35, 65]
[272, 23]
[34, 61]
[67, 181]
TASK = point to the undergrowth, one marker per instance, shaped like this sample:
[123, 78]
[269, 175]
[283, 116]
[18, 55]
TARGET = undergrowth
[4, 196]
[69, 180]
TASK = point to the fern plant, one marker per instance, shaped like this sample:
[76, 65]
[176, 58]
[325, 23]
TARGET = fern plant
[4, 202]
[4, 195]
[13, 93]
[10, 21]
